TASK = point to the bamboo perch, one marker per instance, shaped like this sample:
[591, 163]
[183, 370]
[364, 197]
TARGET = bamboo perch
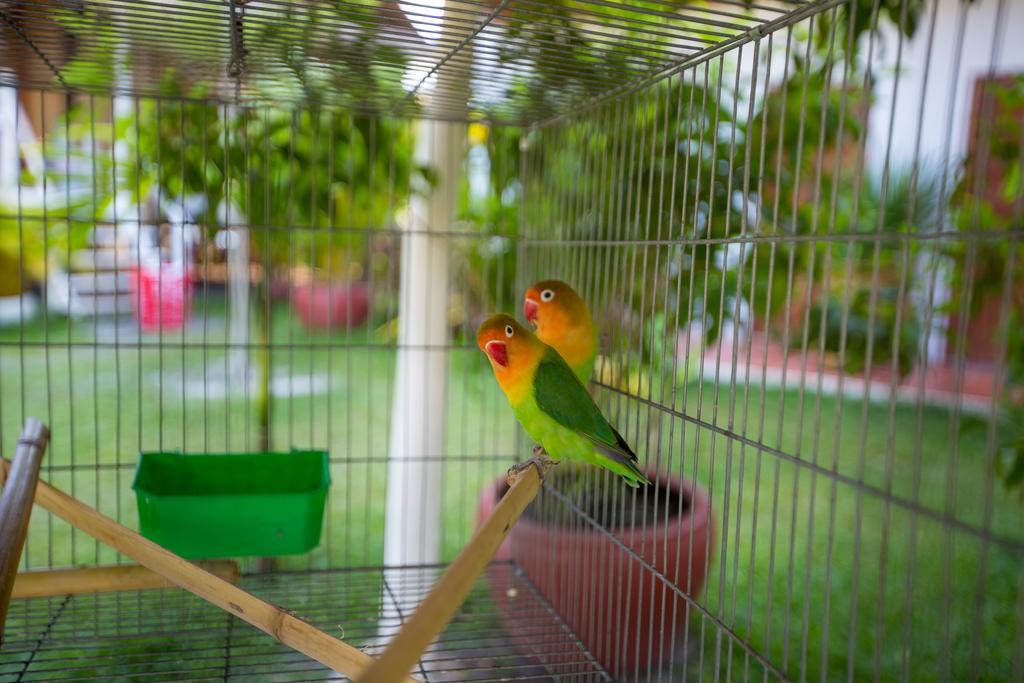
[451, 590]
[16, 506]
[50, 582]
[271, 619]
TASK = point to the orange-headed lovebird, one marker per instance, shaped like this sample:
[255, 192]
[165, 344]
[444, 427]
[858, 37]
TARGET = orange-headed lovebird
[563, 322]
[550, 401]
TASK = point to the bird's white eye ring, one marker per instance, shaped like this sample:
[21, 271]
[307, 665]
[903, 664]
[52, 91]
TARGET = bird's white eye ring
[509, 331]
[547, 295]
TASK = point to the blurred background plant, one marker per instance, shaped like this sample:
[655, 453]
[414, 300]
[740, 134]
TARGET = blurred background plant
[219, 166]
[277, 175]
[1009, 461]
[717, 183]
[989, 196]
[22, 252]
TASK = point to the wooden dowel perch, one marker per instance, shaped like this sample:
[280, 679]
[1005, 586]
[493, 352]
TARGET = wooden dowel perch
[16, 506]
[49, 582]
[271, 619]
[451, 590]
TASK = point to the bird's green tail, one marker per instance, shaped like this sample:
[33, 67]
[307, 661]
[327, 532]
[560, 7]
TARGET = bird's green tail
[625, 468]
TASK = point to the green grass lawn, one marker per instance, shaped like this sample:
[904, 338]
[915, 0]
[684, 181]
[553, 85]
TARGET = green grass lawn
[795, 547]
[107, 401]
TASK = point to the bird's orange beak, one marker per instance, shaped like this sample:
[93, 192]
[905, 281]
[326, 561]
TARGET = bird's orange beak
[497, 351]
[530, 308]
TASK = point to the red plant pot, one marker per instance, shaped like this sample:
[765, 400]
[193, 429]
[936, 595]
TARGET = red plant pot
[161, 296]
[623, 613]
[322, 306]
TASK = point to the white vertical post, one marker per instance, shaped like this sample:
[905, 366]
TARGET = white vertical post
[239, 282]
[10, 162]
[238, 296]
[412, 524]
[413, 520]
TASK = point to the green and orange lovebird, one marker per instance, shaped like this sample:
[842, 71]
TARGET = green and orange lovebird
[563, 322]
[550, 401]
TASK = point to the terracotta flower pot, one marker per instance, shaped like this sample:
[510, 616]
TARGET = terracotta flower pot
[320, 305]
[600, 589]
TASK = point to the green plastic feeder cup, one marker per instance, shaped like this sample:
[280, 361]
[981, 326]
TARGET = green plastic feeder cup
[236, 505]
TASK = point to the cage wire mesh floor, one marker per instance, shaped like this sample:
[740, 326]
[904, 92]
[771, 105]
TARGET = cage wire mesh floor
[172, 635]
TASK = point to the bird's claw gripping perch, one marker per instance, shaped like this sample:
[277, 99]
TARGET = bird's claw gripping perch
[540, 460]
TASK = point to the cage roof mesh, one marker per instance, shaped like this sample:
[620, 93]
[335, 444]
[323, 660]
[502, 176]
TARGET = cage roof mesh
[507, 60]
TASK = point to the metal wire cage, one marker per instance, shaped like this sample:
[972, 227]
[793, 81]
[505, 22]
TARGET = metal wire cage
[250, 226]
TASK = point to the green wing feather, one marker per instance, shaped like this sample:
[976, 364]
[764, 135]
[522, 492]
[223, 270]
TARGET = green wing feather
[560, 395]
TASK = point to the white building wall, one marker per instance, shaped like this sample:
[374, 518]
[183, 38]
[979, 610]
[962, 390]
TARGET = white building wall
[951, 65]
[924, 94]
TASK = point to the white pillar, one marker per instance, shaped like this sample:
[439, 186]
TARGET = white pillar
[413, 518]
[10, 160]
[412, 524]
[238, 298]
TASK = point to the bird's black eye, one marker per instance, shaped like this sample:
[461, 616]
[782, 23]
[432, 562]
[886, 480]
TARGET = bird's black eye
[547, 295]
[509, 331]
